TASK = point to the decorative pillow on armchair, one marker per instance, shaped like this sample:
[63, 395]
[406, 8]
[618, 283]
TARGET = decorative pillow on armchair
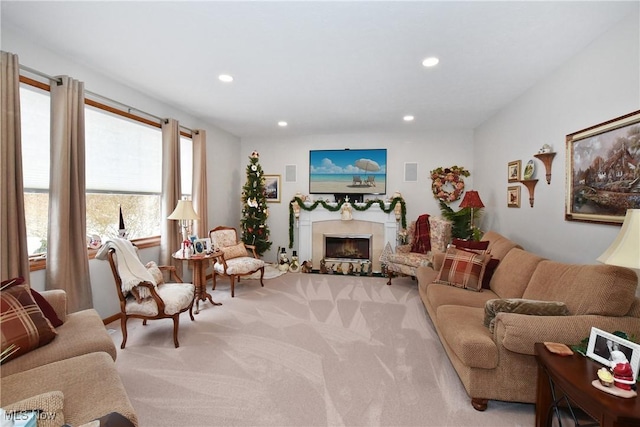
[23, 323]
[235, 251]
[521, 306]
[462, 269]
[155, 271]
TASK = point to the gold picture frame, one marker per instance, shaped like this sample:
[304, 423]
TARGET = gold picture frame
[513, 196]
[514, 171]
[272, 188]
[602, 172]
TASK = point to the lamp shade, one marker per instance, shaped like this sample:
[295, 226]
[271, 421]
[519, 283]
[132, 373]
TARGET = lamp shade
[625, 249]
[471, 200]
[184, 211]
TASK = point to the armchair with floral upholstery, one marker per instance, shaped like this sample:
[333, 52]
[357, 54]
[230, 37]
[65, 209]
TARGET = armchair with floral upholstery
[426, 236]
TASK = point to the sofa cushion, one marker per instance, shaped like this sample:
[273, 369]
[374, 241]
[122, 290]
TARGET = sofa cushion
[499, 245]
[462, 329]
[24, 326]
[49, 404]
[234, 251]
[462, 269]
[439, 295]
[604, 290]
[521, 306]
[513, 273]
[90, 384]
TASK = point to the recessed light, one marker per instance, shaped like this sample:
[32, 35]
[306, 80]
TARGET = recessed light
[282, 124]
[430, 62]
[408, 118]
[225, 78]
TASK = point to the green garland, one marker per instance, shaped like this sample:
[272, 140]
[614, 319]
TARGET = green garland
[329, 206]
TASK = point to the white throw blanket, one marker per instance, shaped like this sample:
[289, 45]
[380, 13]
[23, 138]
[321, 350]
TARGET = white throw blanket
[130, 268]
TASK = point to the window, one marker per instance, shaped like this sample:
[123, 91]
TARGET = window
[35, 124]
[123, 169]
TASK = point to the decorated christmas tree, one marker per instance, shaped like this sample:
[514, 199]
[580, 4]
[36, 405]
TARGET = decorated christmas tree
[254, 209]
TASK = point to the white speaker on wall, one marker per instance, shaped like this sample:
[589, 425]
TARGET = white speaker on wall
[410, 172]
[290, 172]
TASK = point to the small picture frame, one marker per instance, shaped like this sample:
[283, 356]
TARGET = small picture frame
[602, 343]
[513, 171]
[201, 246]
[513, 196]
[272, 188]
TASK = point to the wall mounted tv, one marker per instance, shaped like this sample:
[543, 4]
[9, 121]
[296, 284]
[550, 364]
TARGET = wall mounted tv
[348, 171]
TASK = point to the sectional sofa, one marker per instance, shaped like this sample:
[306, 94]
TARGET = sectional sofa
[73, 378]
[499, 364]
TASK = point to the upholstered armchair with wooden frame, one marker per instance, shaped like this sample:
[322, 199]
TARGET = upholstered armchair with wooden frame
[150, 299]
[233, 260]
[406, 260]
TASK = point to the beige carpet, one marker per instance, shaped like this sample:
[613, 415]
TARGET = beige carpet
[305, 350]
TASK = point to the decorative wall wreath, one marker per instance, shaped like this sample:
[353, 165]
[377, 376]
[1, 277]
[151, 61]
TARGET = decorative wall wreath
[448, 184]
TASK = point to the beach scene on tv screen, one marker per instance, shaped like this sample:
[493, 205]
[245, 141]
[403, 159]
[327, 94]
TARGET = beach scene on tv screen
[348, 171]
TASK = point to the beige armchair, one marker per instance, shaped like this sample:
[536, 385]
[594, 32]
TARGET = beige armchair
[404, 262]
[233, 260]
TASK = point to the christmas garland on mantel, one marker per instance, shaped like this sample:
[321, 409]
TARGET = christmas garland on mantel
[335, 207]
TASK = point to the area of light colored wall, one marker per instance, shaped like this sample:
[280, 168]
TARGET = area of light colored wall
[222, 152]
[428, 150]
[598, 84]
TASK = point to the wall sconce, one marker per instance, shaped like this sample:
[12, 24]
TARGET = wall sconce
[296, 212]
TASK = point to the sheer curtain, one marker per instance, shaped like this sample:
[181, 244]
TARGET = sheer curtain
[67, 259]
[199, 191]
[13, 230]
[171, 190]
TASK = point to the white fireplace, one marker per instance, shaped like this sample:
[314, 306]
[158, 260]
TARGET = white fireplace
[311, 227]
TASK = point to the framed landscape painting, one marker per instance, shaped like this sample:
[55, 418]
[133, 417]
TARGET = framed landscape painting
[272, 188]
[603, 171]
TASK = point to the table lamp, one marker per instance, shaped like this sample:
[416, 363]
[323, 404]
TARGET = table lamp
[471, 200]
[184, 213]
[625, 249]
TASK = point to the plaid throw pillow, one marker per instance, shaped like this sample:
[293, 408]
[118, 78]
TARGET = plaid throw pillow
[462, 269]
[23, 323]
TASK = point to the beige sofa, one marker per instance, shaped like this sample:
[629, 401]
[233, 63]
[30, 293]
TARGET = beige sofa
[75, 370]
[501, 365]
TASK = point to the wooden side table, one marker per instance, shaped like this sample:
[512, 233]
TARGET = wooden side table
[571, 376]
[200, 278]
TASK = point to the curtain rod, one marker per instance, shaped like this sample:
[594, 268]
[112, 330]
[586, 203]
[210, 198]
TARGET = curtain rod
[129, 108]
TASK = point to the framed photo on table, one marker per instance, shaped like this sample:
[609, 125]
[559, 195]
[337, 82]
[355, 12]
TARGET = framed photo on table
[602, 343]
[272, 188]
[201, 246]
[602, 171]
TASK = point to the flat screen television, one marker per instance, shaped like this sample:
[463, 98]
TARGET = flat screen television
[348, 171]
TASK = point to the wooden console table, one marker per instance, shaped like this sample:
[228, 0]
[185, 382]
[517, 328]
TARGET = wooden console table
[571, 376]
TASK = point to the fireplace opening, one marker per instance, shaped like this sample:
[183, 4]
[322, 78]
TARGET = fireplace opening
[347, 247]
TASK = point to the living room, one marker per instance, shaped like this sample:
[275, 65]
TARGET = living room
[598, 81]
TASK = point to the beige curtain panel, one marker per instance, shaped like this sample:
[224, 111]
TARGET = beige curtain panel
[67, 259]
[13, 230]
[171, 191]
[201, 227]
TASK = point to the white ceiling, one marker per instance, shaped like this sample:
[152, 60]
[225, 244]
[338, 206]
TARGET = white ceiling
[324, 67]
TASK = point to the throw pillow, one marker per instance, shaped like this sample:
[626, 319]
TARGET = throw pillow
[155, 271]
[470, 244]
[234, 251]
[462, 269]
[521, 306]
[23, 324]
[50, 405]
[44, 305]
[492, 264]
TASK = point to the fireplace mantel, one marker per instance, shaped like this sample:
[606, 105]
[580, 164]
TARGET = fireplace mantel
[305, 223]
